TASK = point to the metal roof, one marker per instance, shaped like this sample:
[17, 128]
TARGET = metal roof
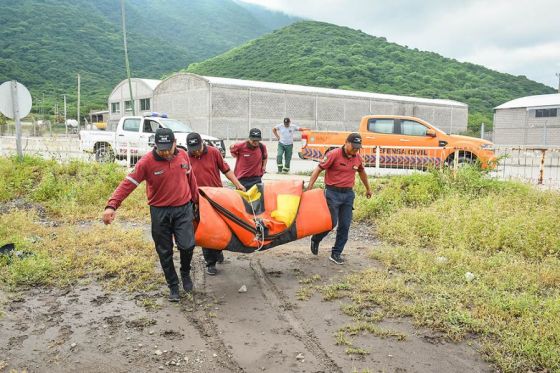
[326, 91]
[152, 83]
[532, 101]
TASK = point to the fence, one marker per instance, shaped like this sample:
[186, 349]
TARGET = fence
[536, 165]
[40, 129]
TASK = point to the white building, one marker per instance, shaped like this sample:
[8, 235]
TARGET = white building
[119, 102]
[228, 108]
[531, 120]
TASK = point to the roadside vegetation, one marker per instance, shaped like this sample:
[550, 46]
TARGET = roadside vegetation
[466, 256]
[51, 212]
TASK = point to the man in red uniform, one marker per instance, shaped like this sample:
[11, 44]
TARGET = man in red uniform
[172, 194]
[341, 165]
[251, 159]
[207, 162]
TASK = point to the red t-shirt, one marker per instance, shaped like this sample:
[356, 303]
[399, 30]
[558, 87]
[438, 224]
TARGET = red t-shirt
[249, 160]
[206, 167]
[169, 183]
[341, 168]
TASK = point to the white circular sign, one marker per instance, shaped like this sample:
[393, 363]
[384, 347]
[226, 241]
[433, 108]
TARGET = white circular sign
[23, 98]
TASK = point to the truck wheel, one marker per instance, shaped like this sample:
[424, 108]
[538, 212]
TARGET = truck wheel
[462, 160]
[104, 154]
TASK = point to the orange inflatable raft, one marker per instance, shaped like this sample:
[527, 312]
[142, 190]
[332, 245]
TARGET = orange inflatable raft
[268, 215]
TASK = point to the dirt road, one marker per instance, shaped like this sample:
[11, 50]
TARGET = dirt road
[266, 329]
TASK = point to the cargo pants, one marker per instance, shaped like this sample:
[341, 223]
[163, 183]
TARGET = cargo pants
[167, 223]
[284, 151]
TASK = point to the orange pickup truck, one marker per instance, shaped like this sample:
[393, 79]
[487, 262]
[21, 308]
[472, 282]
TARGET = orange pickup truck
[402, 142]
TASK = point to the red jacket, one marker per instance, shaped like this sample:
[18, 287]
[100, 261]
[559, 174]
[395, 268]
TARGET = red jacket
[169, 183]
[249, 159]
[207, 167]
[341, 168]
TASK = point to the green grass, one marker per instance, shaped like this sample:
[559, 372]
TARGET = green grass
[70, 191]
[64, 255]
[437, 227]
[43, 201]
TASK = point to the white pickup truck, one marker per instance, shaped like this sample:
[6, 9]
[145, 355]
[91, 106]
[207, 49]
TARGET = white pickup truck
[134, 137]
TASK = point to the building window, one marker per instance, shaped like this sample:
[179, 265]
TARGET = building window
[546, 113]
[128, 105]
[115, 107]
[144, 104]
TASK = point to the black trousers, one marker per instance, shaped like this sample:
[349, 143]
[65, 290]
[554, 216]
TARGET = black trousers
[169, 222]
[211, 256]
[248, 182]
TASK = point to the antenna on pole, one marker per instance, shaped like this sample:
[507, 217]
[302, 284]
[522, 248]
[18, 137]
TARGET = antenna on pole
[126, 58]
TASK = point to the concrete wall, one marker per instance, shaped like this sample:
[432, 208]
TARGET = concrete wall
[186, 98]
[121, 93]
[235, 109]
[520, 126]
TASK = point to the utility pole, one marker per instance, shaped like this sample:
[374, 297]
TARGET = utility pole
[78, 115]
[126, 58]
[65, 124]
[558, 76]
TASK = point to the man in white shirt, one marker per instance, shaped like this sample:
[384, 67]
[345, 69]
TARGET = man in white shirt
[285, 135]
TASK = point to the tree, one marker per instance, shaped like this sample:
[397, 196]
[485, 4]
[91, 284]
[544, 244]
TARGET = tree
[3, 124]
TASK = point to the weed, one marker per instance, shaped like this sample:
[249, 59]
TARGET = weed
[465, 255]
[356, 351]
[70, 191]
[62, 255]
[304, 293]
[341, 339]
[150, 304]
[310, 280]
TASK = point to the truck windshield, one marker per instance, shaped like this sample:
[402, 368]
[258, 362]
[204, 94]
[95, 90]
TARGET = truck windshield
[175, 125]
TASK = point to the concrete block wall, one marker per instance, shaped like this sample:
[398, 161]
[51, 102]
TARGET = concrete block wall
[519, 126]
[236, 109]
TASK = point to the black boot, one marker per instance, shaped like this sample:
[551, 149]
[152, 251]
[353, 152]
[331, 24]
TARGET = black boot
[174, 293]
[186, 257]
[314, 247]
[187, 283]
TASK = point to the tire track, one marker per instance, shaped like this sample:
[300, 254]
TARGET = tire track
[195, 312]
[278, 301]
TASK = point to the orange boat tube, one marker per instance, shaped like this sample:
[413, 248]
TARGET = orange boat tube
[268, 215]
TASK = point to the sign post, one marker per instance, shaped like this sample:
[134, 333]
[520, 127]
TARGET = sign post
[15, 103]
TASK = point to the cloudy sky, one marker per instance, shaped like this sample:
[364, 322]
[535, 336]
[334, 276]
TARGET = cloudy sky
[520, 37]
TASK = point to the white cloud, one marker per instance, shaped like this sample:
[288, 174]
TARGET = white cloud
[519, 37]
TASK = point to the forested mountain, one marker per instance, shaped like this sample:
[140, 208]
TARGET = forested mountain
[44, 44]
[325, 55]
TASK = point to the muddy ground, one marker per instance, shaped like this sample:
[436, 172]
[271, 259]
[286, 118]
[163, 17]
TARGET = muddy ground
[219, 329]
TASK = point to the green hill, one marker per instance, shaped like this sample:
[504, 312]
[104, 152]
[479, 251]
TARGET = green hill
[325, 55]
[45, 43]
